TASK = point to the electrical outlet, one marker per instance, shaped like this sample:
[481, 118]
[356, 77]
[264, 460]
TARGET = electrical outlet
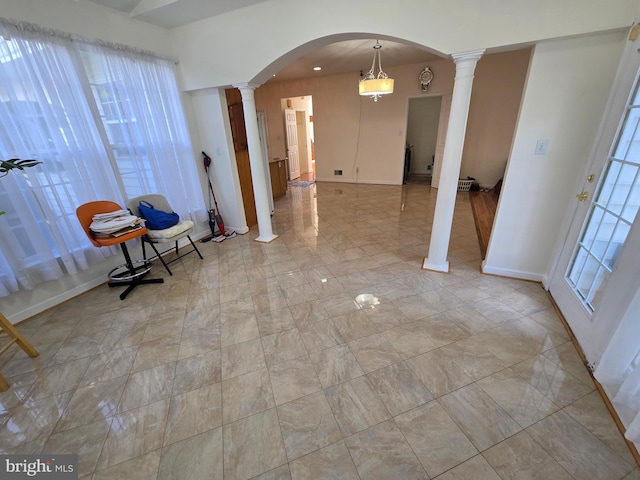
[337, 172]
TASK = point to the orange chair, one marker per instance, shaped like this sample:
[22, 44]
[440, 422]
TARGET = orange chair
[130, 274]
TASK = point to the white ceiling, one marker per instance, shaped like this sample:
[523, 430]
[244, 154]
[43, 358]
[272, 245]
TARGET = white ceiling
[353, 56]
[173, 13]
[337, 58]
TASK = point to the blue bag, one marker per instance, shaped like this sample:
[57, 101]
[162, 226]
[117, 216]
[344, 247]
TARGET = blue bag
[157, 219]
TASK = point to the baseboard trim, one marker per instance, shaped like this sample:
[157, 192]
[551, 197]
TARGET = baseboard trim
[442, 268]
[506, 272]
[354, 181]
[56, 301]
[51, 302]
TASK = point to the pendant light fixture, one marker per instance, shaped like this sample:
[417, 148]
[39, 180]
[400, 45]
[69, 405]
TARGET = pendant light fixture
[373, 85]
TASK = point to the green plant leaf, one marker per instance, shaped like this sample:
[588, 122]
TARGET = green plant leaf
[16, 164]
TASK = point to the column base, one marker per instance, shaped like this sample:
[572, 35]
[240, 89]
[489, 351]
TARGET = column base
[435, 267]
[266, 239]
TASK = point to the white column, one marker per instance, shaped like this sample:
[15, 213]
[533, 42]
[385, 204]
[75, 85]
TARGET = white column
[452, 158]
[258, 173]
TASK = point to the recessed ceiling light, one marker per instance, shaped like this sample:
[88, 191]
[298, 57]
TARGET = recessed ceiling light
[317, 68]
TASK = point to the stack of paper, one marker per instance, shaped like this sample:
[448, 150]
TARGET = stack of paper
[110, 215]
[108, 224]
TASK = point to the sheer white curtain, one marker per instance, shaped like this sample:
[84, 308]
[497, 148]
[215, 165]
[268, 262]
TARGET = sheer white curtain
[618, 370]
[106, 122]
[139, 103]
[43, 117]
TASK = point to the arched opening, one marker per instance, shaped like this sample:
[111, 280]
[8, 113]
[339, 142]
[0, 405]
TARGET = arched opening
[357, 140]
[353, 140]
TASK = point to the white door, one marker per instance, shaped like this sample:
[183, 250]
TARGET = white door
[595, 267]
[291, 130]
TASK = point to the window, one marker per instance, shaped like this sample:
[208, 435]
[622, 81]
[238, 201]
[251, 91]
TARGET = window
[106, 123]
[611, 213]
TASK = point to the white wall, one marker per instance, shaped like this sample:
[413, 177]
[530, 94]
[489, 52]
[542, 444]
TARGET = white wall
[363, 138]
[493, 111]
[367, 139]
[566, 91]
[91, 21]
[251, 44]
[210, 107]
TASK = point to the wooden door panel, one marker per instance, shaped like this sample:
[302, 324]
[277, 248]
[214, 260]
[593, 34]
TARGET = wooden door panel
[238, 131]
[239, 134]
[246, 183]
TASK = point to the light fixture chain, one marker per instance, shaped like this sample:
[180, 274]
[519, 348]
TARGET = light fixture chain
[371, 74]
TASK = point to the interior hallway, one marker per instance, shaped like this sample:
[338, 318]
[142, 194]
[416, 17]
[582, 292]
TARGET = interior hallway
[325, 354]
[306, 177]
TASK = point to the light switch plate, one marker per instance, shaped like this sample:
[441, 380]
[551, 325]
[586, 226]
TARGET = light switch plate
[541, 147]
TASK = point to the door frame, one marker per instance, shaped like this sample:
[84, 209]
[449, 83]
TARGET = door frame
[295, 104]
[439, 147]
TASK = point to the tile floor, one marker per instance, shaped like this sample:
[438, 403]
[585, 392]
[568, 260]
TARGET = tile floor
[327, 354]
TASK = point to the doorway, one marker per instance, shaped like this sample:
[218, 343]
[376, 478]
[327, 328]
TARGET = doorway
[422, 139]
[299, 137]
[595, 280]
[596, 270]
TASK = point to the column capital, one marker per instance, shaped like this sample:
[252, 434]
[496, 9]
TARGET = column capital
[473, 55]
[246, 86]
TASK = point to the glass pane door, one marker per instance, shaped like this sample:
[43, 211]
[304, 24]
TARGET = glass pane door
[612, 212]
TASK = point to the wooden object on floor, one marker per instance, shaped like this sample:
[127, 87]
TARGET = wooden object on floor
[278, 171]
[483, 205]
[16, 337]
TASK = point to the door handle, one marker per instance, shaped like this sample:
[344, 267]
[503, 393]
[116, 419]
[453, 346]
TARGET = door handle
[582, 196]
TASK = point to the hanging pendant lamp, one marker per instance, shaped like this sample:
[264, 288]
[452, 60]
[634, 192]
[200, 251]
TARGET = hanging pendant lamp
[373, 85]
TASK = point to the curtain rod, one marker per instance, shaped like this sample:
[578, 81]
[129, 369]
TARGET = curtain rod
[121, 47]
